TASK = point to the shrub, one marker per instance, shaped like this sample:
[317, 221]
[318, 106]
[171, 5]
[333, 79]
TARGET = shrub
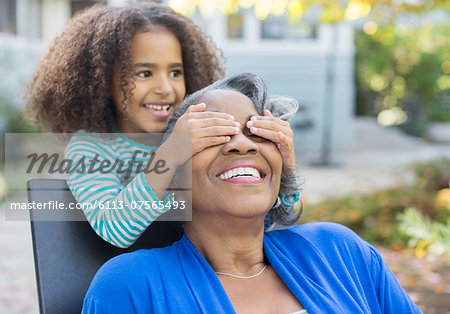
[375, 216]
[433, 175]
[431, 239]
[403, 74]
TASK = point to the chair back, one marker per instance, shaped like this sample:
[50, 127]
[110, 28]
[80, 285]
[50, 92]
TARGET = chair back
[67, 254]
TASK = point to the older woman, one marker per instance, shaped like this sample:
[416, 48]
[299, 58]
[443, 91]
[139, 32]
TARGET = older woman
[225, 262]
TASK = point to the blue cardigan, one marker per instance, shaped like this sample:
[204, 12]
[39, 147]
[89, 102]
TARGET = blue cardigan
[325, 265]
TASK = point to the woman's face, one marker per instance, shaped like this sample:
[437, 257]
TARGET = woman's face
[240, 178]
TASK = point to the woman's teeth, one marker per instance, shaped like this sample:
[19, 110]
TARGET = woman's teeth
[237, 172]
[157, 107]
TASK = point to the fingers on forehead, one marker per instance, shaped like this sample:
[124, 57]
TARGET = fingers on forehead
[271, 118]
[213, 114]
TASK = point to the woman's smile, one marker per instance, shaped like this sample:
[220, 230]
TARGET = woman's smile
[242, 172]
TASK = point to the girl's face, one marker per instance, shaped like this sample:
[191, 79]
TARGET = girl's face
[158, 87]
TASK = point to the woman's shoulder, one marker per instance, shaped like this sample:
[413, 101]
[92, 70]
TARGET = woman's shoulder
[125, 265]
[323, 230]
[143, 261]
[137, 262]
[134, 269]
[333, 246]
[325, 237]
[120, 276]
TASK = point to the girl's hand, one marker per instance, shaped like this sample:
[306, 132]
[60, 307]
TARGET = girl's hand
[277, 131]
[206, 128]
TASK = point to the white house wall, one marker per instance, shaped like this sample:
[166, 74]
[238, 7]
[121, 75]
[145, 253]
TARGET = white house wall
[317, 72]
[300, 69]
[28, 15]
[55, 15]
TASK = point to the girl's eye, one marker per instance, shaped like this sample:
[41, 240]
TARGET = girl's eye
[176, 73]
[144, 74]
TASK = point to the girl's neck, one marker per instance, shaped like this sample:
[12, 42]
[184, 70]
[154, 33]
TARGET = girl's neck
[148, 139]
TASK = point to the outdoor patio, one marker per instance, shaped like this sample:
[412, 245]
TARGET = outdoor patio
[377, 160]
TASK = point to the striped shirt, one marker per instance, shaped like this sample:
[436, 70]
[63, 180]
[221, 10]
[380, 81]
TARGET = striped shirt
[119, 213]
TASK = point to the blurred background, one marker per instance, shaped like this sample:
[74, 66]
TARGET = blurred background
[372, 135]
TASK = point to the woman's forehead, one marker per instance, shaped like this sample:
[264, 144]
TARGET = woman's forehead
[228, 101]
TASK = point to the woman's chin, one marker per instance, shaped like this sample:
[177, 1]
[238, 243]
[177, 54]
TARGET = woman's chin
[248, 212]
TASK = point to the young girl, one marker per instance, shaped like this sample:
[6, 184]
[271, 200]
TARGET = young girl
[122, 70]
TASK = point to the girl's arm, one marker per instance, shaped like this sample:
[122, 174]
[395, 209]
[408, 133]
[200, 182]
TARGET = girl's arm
[121, 214]
[118, 214]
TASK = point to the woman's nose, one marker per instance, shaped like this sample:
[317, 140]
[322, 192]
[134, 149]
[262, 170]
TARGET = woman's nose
[240, 144]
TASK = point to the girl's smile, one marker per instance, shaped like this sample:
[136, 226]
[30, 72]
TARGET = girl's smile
[161, 110]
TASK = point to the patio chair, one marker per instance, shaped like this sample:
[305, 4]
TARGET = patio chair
[67, 254]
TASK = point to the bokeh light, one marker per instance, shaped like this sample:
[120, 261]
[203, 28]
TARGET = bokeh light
[263, 8]
[279, 7]
[391, 117]
[207, 8]
[186, 7]
[446, 67]
[370, 27]
[398, 87]
[443, 82]
[246, 3]
[228, 7]
[295, 10]
[357, 9]
[389, 101]
[378, 83]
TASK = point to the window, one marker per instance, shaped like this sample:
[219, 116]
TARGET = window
[235, 26]
[279, 28]
[244, 25]
[8, 16]
[77, 5]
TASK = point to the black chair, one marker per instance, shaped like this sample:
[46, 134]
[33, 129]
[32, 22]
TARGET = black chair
[67, 254]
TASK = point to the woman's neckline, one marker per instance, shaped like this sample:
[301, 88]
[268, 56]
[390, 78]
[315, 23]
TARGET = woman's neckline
[185, 239]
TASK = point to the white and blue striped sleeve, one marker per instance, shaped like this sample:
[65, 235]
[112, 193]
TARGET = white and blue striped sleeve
[119, 214]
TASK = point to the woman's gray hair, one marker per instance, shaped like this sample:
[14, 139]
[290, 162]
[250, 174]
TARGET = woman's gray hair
[284, 108]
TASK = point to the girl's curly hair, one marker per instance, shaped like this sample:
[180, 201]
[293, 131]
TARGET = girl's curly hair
[71, 88]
